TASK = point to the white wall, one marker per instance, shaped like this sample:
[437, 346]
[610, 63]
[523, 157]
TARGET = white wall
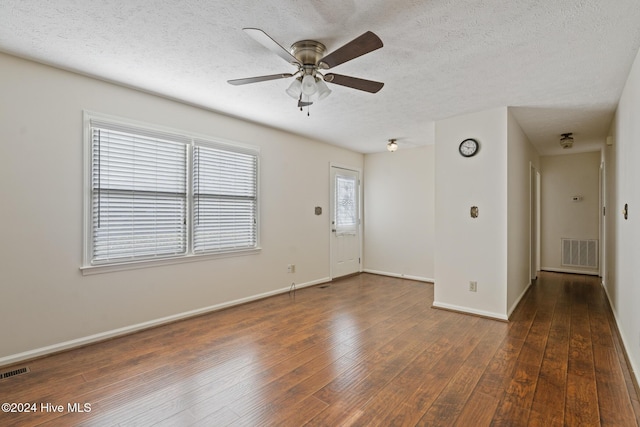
[623, 250]
[399, 213]
[521, 156]
[563, 177]
[46, 299]
[472, 249]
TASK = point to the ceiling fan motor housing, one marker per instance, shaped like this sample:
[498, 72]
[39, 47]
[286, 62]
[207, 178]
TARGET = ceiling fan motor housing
[308, 52]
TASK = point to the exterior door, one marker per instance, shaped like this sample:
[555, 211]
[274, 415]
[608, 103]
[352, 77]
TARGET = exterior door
[345, 222]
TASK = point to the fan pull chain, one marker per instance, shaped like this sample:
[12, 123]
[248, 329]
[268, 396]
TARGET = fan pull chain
[302, 109]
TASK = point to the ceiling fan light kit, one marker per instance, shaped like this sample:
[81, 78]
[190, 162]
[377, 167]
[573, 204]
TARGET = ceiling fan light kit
[313, 90]
[309, 57]
[323, 89]
[392, 145]
[295, 88]
[309, 86]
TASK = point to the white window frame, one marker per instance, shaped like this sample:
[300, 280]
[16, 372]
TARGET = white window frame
[193, 139]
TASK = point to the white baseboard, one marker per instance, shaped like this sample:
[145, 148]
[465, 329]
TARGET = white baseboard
[470, 311]
[568, 270]
[635, 370]
[399, 275]
[79, 342]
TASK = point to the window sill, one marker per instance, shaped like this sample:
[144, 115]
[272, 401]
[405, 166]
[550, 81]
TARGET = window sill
[89, 270]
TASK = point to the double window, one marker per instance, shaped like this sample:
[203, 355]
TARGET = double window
[156, 194]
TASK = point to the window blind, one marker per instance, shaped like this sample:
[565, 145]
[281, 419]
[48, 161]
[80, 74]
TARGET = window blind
[346, 209]
[139, 194]
[224, 199]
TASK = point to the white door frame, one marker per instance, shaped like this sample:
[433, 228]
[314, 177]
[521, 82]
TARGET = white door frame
[602, 250]
[538, 220]
[333, 165]
[534, 222]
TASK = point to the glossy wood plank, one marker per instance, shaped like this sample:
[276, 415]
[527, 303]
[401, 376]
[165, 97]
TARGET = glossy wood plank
[547, 408]
[439, 372]
[517, 399]
[582, 395]
[365, 350]
[449, 404]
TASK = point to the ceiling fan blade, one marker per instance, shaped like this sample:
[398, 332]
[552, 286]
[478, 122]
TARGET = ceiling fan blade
[238, 82]
[353, 82]
[368, 42]
[265, 40]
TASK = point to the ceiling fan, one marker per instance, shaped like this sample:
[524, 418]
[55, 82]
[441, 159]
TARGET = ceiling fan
[309, 57]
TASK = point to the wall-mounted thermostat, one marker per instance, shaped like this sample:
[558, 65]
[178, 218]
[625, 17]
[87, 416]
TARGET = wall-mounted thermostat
[576, 199]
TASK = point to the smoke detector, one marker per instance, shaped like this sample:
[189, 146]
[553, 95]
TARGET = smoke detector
[567, 140]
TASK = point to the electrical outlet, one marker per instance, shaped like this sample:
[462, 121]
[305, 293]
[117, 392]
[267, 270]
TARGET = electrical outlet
[473, 286]
[291, 268]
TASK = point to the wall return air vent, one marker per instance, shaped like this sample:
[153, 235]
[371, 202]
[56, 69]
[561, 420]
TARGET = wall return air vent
[579, 253]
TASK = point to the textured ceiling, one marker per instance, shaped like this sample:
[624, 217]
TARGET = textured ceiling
[561, 63]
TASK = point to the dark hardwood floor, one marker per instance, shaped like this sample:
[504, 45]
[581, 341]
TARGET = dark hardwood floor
[366, 350]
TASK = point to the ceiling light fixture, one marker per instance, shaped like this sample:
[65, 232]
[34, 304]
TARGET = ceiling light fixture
[295, 88]
[323, 90]
[309, 86]
[567, 140]
[392, 145]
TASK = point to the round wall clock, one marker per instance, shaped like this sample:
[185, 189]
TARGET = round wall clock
[469, 147]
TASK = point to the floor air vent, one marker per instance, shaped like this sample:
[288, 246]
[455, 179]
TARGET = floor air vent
[14, 372]
[580, 253]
